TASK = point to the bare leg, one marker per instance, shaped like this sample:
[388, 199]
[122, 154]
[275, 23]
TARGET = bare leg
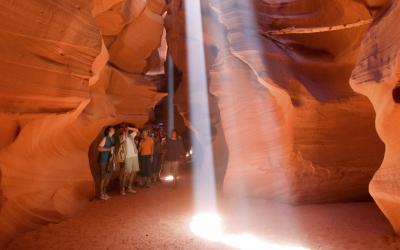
[131, 180]
[106, 183]
[101, 180]
[102, 184]
[148, 181]
[123, 180]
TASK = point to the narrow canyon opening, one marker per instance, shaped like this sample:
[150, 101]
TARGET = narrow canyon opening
[254, 124]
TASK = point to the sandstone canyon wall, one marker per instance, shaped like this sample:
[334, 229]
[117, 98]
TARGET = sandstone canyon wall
[58, 89]
[281, 104]
[377, 76]
[295, 129]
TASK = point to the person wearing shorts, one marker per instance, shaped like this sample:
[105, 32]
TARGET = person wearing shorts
[174, 151]
[130, 160]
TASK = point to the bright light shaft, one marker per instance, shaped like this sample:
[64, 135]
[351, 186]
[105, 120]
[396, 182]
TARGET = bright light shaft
[207, 225]
[210, 227]
[203, 165]
[171, 93]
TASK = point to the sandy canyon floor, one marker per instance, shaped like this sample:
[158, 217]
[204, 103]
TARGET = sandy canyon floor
[159, 218]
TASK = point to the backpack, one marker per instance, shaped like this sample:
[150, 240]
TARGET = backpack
[121, 155]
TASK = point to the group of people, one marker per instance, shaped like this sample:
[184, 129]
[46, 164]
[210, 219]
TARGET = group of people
[140, 157]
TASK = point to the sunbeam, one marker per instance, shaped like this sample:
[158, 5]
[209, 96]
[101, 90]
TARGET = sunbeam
[210, 227]
[203, 167]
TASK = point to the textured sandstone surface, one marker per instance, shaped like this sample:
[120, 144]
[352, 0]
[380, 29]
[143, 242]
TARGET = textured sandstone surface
[290, 118]
[57, 92]
[284, 104]
[280, 104]
[376, 76]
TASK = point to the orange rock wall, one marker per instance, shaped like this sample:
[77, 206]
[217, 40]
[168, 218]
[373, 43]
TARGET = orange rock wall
[57, 92]
[282, 105]
[295, 129]
[376, 75]
[298, 127]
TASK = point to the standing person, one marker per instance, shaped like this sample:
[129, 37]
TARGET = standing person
[157, 156]
[106, 160]
[146, 149]
[128, 154]
[174, 151]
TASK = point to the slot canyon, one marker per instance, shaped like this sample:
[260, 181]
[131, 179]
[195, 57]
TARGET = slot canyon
[287, 110]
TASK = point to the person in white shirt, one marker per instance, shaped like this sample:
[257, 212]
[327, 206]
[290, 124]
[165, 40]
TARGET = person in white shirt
[131, 160]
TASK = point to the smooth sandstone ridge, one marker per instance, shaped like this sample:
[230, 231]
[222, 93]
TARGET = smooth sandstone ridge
[295, 130]
[377, 77]
[58, 90]
[286, 124]
[313, 138]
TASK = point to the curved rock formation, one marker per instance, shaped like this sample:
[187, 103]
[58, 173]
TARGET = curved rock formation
[46, 68]
[279, 99]
[290, 117]
[377, 77]
[57, 92]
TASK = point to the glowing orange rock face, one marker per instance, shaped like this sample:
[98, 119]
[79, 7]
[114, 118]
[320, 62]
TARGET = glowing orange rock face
[57, 92]
[282, 104]
[377, 77]
[49, 57]
[295, 129]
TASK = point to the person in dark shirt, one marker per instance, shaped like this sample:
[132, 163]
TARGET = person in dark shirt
[174, 151]
[106, 157]
[157, 156]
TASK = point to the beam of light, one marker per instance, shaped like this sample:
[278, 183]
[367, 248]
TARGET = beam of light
[203, 163]
[210, 227]
[207, 225]
[171, 93]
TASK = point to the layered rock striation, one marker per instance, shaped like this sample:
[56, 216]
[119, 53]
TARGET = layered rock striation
[279, 97]
[291, 120]
[58, 90]
[282, 99]
[377, 77]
